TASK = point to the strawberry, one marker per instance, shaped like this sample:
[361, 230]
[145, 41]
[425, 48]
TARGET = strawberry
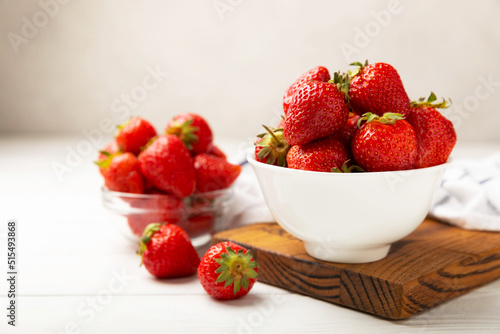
[377, 88]
[271, 147]
[227, 271]
[167, 252]
[385, 143]
[167, 164]
[121, 172]
[318, 73]
[161, 207]
[321, 155]
[317, 110]
[216, 152]
[346, 132]
[213, 173]
[193, 130]
[134, 134]
[436, 136]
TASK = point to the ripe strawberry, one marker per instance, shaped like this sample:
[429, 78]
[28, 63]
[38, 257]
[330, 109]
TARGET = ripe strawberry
[377, 88]
[347, 132]
[134, 134]
[193, 130]
[213, 173]
[385, 143]
[321, 155]
[271, 147]
[216, 152]
[167, 164]
[227, 271]
[166, 251]
[160, 207]
[317, 110]
[121, 172]
[436, 136]
[318, 73]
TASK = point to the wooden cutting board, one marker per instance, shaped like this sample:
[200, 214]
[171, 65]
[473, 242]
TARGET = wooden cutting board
[434, 264]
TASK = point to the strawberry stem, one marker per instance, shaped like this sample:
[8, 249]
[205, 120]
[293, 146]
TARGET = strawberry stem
[430, 102]
[236, 268]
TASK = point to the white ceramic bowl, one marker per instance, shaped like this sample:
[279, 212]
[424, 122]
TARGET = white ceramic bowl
[349, 218]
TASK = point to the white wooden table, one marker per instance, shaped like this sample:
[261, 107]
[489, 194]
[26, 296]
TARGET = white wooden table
[77, 275]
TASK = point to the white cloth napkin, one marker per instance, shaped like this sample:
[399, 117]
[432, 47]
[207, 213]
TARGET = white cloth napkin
[469, 196]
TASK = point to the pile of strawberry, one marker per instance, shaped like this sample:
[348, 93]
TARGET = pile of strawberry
[362, 120]
[182, 161]
[186, 169]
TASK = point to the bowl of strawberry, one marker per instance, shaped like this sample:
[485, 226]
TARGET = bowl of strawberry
[178, 177]
[354, 164]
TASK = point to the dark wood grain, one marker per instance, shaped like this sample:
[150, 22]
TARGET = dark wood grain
[434, 264]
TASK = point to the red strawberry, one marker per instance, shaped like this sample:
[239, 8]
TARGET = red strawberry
[385, 143]
[167, 164]
[346, 133]
[227, 271]
[436, 136]
[166, 251]
[193, 130]
[271, 147]
[319, 73]
[321, 155]
[377, 88]
[213, 173]
[216, 152]
[134, 134]
[121, 173]
[317, 110]
[160, 208]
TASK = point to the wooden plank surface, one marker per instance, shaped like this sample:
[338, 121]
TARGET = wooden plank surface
[434, 264]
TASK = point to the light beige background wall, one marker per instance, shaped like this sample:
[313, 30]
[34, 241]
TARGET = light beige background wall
[65, 66]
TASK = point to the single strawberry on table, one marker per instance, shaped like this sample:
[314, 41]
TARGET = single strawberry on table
[214, 173]
[271, 147]
[193, 130]
[166, 251]
[377, 88]
[121, 172]
[385, 143]
[227, 271]
[317, 110]
[318, 73]
[167, 164]
[321, 155]
[436, 135]
[134, 134]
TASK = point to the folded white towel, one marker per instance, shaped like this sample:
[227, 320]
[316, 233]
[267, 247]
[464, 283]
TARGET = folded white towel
[469, 196]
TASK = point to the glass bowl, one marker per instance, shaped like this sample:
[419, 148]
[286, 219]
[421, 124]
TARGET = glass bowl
[200, 215]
